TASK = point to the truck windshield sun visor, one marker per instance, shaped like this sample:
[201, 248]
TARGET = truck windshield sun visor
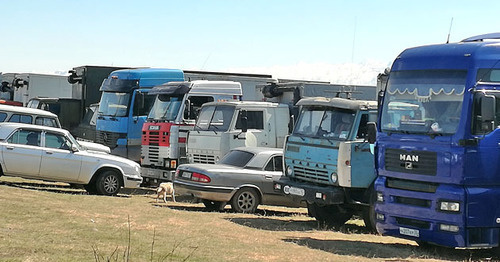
[172, 89]
[119, 85]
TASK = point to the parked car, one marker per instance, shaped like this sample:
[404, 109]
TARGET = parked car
[244, 177]
[52, 154]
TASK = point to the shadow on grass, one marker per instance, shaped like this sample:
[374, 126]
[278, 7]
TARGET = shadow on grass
[188, 199]
[67, 188]
[270, 224]
[400, 252]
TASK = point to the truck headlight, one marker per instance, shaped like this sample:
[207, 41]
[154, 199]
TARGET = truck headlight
[449, 228]
[289, 170]
[334, 177]
[380, 197]
[449, 206]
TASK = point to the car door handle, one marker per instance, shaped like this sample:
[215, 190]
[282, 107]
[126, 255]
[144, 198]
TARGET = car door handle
[49, 152]
[268, 176]
[9, 147]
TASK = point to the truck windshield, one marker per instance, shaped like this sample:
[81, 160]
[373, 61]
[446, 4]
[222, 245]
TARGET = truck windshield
[166, 107]
[325, 122]
[423, 102]
[215, 118]
[114, 104]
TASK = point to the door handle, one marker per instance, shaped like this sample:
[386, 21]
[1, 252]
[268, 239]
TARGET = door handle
[49, 152]
[9, 147]
[268, 176]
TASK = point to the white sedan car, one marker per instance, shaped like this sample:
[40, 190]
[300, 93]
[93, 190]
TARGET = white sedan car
[52, 154]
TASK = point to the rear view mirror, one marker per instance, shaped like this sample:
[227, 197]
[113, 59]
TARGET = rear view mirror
[488, 108]
[74, 148]
[244, 121]
[371, 132]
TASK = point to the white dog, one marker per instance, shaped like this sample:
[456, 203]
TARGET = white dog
[165, 189]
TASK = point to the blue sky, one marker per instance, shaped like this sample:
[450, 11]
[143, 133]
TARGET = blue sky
[336, 41]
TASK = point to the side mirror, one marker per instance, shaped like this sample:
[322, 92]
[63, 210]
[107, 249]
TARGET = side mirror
[187, 109]
[74, 148]
[488, 108]
[371, 132]
[244, 121]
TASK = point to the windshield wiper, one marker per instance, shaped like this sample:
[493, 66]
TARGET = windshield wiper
[216, 128]
[166, 112]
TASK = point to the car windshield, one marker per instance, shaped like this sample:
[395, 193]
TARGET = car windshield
[423, 101]
[114, 104]
[215, 118]
[325, 122]
[236, 158]
[166, 107]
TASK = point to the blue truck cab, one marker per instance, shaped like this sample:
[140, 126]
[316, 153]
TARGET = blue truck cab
[328, 162]
[124, 106]
[437, 148]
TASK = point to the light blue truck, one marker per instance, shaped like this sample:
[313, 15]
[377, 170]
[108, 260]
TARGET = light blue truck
[328, 161]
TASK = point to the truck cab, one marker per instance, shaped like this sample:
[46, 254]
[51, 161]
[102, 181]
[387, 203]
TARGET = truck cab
[222, 126]
[328, 161]
[173, 114]
[124, 106]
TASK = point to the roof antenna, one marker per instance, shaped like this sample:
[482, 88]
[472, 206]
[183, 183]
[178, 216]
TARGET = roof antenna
[449, 31]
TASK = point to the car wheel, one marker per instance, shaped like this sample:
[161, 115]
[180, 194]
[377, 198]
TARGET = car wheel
[329, 215]
[245, 200]
[108, 183]
[213, 205]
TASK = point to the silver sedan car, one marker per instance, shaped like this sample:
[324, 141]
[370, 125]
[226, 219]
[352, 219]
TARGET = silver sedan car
[244, 177]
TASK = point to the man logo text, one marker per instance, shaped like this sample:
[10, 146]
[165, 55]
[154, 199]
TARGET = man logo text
[410, 158]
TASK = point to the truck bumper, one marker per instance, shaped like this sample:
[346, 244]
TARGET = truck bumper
[427, 224]
[322, 195]
[155, 173]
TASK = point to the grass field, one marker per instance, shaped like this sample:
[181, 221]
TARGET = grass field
[53, 222]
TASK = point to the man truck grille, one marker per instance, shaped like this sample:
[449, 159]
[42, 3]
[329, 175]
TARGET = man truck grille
[107, 138]
[413, 162]
[203, 159]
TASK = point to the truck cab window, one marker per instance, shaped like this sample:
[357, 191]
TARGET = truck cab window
[255, 120]
[142, 106]
[192, 110]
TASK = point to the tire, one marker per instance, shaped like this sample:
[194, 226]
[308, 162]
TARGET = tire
[329, 215]
[213, 205]
[369, 213]
[108, 183]
[90, 188]
[245, 200]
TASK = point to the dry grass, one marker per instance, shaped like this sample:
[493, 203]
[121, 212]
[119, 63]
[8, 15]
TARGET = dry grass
[52, 222]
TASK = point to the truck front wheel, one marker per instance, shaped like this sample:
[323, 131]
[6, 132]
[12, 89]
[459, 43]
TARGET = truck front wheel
[329, 215]
[369, 213]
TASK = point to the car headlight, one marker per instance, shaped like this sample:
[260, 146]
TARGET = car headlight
[289, 170]
[449, 206]
[334, 177]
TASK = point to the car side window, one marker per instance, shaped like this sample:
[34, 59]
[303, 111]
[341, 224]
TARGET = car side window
[57, 141]
[44, 121]
[3, 116]
[16, 118]
[275, 164]
[25, 137]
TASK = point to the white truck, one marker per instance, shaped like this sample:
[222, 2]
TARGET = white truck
[21, 87]
[222, 126]
[172, 115]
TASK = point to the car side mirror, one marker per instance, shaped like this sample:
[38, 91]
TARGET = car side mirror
[371, 132]
[74, 148]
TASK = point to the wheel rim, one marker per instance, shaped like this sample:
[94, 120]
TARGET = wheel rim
[111, 184]
[246, 201]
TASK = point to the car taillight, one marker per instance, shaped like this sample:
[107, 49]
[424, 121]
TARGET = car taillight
[200, 178]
